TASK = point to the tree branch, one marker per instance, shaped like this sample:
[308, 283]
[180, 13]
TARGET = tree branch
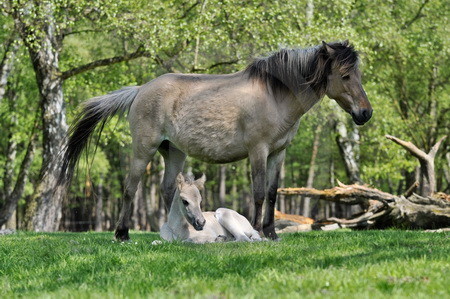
[104, 62]
[417, 16]
[348, 194]
[214, 65]
[12, 199]
[414, 150]
[435, 147]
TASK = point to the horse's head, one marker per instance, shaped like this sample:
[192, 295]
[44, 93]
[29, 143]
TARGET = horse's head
[344, 81]
[190, 199]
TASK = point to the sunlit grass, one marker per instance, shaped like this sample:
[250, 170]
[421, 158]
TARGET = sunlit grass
[371, 264]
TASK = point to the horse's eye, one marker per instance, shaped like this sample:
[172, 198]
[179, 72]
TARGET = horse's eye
[346, 77]
[185, 202]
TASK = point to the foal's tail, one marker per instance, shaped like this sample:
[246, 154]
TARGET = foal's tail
[96, 111]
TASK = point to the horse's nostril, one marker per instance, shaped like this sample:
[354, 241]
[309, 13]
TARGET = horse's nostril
[366, 114]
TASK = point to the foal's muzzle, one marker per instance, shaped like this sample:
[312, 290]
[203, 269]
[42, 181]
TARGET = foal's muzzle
[198, 224]
[361, 116]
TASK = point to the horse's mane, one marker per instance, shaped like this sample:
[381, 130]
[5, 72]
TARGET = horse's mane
[295, 69]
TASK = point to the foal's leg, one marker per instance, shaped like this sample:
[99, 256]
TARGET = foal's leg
[274, 163]
[258, 162]
[174, 164]
[236, 224]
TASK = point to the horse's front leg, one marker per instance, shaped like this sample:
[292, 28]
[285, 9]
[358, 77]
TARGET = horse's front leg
[274, 164]
[258, 162]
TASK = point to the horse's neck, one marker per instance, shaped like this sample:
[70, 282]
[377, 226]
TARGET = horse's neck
[176, 219]
[297, 105]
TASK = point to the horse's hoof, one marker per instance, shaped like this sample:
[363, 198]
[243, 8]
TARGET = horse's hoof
[271, 234]
[122, 235]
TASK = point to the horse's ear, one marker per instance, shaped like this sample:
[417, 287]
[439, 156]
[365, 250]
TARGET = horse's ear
[180, 180]
[329, 49]
[200, 183]
[345, 43]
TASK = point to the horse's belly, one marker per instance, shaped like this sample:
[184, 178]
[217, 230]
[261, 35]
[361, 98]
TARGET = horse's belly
[216, 155]
[213, 144]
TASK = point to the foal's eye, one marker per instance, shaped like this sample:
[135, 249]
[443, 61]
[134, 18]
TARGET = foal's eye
[185, 202]
[346, 77]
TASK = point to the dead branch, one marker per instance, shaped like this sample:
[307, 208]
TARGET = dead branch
[347, 194]
[427, 184]
[411, 189]
[384, 209]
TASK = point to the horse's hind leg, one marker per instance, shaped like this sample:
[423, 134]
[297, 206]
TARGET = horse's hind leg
[138, 165]
[173, 165]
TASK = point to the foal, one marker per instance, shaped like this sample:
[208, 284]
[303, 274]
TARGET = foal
[188, 223]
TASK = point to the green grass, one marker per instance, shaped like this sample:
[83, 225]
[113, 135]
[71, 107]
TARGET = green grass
[363, 264]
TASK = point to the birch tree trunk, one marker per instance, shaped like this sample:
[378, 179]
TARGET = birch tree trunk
[99, 207]
[281, 198]
[348, 143]
[12, 189]
[48, 198]
[222, 185]
[7, 63]
[306, 211]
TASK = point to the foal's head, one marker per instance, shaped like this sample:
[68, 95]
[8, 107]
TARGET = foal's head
[344, 81]
[190, 199]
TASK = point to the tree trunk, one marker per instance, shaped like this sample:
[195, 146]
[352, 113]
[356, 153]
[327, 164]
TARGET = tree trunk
[348, 144]
[153, 202]
[99, 207]
[234, 196]
[222, 185]
[49, 196]
[306, 211]
[427, 179]
[281, 198]
[7, 63]
[10, 204]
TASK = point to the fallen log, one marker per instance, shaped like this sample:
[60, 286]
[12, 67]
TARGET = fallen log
[383, 209]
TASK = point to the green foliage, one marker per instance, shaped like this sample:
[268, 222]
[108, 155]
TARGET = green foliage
[404, 50]
[375, 264]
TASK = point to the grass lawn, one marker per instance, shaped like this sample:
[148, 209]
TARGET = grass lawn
[338, 264]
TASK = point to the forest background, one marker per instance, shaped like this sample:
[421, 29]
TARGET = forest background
[55, 54]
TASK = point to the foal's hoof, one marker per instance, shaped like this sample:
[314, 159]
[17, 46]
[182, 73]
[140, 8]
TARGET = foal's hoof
[121, 234]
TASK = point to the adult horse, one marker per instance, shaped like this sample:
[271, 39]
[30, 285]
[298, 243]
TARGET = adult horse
[253, 113]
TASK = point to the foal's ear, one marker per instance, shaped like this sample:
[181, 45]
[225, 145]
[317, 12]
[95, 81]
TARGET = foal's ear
[180, 180]
[200, 183]
[329, 49]
[345, 43]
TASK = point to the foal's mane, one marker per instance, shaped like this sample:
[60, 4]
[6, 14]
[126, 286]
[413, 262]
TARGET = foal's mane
[296, 69]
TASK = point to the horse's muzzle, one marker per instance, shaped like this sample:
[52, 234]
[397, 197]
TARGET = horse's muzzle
[198, 224]
[361, 116]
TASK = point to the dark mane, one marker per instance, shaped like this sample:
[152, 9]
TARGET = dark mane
[296, 69]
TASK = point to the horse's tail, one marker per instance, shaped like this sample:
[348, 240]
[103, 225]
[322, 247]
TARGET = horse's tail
[96, 111]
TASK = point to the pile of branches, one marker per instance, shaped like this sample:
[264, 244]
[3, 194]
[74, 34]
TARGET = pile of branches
[383, 209]
[425, 210]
